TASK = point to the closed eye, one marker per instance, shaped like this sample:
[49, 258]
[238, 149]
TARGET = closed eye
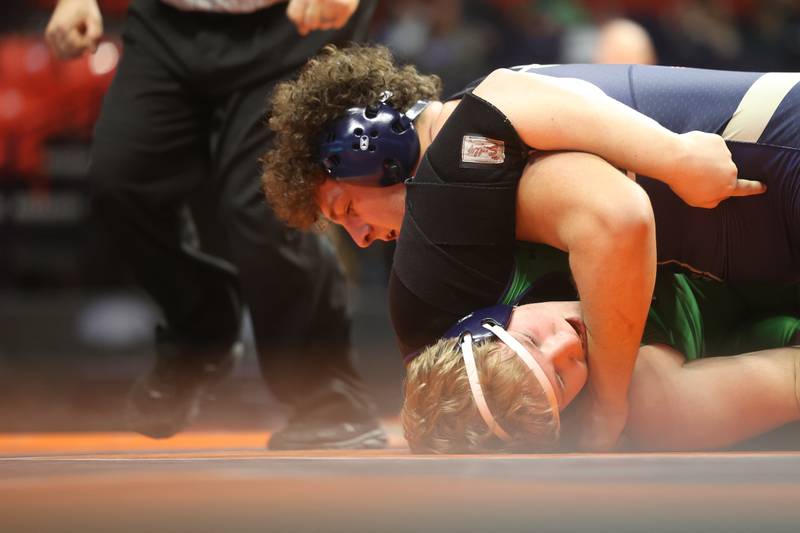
[531, 339]
[337, 217]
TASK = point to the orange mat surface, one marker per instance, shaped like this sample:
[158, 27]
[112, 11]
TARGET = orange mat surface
[18, 444]
[228, 482]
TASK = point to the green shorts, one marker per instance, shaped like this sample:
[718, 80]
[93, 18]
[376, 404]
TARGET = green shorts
[703, 318]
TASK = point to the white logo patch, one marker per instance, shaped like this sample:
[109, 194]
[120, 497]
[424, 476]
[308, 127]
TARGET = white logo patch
[482, 150]
[363, 143]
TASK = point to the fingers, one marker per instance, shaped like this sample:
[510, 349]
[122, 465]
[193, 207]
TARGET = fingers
[311, 15]
[65, 44]
[50, 39]
[296, 12]
[336, 13]
[69, 34]
[94, 31]
[74, 42]
[54, 37]
[748, 188]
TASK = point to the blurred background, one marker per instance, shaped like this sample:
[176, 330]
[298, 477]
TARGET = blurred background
[74, 332]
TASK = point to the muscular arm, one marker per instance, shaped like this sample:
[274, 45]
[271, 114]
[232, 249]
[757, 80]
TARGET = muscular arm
[570, 114]
[713, 402]
[577, 202]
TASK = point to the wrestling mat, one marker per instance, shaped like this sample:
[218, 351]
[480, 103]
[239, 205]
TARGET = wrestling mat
[227, 482]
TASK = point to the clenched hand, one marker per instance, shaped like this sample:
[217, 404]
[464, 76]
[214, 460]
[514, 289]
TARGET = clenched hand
[75, 27]
[311, 15]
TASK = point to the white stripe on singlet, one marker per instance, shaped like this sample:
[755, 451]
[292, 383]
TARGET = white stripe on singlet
[534, 66]
[221, 6]
[758, 105]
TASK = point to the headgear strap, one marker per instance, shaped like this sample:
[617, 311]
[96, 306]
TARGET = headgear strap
[475, 386]
[477, 392]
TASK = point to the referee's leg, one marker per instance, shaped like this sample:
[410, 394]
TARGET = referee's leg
[149, 152]
[297, 296]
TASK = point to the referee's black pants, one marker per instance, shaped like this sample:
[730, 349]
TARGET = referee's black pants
[184, 123]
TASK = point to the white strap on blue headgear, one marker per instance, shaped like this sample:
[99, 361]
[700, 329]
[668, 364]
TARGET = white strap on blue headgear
[475, 385]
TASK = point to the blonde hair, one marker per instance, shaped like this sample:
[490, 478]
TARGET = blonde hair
[439, 414]
[329, 84]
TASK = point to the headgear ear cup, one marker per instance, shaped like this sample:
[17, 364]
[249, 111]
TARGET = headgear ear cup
[393, 171]
[375, 145]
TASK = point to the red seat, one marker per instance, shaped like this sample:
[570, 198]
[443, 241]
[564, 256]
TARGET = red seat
[26, 62]
[41, 98]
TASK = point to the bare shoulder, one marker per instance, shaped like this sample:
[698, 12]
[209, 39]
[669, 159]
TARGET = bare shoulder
[498, 82]
[447, 110]
[500, 75]
[443, 115]
[504, 86]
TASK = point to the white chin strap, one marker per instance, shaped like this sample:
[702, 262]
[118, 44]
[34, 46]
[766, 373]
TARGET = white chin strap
[475, 385]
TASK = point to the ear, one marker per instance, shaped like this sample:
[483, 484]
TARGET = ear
[326, 195]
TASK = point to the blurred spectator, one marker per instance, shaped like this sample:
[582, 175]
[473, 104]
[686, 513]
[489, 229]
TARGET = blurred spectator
[526, 33]
[436, 36]
[624, 41]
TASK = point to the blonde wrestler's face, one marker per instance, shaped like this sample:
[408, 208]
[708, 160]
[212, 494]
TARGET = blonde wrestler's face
[367, 213]
[554, 334]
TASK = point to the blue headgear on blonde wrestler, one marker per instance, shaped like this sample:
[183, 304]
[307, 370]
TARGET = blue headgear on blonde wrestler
[473, 323]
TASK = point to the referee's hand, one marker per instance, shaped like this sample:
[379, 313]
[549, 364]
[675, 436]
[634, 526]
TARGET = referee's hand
[75, 27]
[311, 15]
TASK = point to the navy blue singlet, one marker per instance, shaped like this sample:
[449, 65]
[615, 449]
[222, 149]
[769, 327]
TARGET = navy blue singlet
[447, 263]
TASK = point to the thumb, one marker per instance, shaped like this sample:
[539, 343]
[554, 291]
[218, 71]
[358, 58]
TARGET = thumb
[94, 31]
[296, 11]
[748, 188]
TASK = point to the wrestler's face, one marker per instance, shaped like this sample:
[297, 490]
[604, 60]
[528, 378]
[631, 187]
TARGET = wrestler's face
[367, 213]
[554, 334]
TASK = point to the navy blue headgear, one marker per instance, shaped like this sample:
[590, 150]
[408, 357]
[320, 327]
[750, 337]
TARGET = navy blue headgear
[499, 314]
[375, 145]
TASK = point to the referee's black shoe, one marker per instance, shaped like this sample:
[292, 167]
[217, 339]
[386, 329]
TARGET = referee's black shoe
[166, 399]
[302, 434]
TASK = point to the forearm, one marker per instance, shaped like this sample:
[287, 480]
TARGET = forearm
[577, 203]
[614, 272]
[563, 114]
[713, 402]
[572, 114]
[591, 121]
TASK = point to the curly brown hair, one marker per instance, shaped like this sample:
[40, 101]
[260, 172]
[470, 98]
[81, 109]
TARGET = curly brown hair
[332, 82]
[440, 416]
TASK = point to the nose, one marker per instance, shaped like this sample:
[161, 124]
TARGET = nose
[562, 348]
[361, 233]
